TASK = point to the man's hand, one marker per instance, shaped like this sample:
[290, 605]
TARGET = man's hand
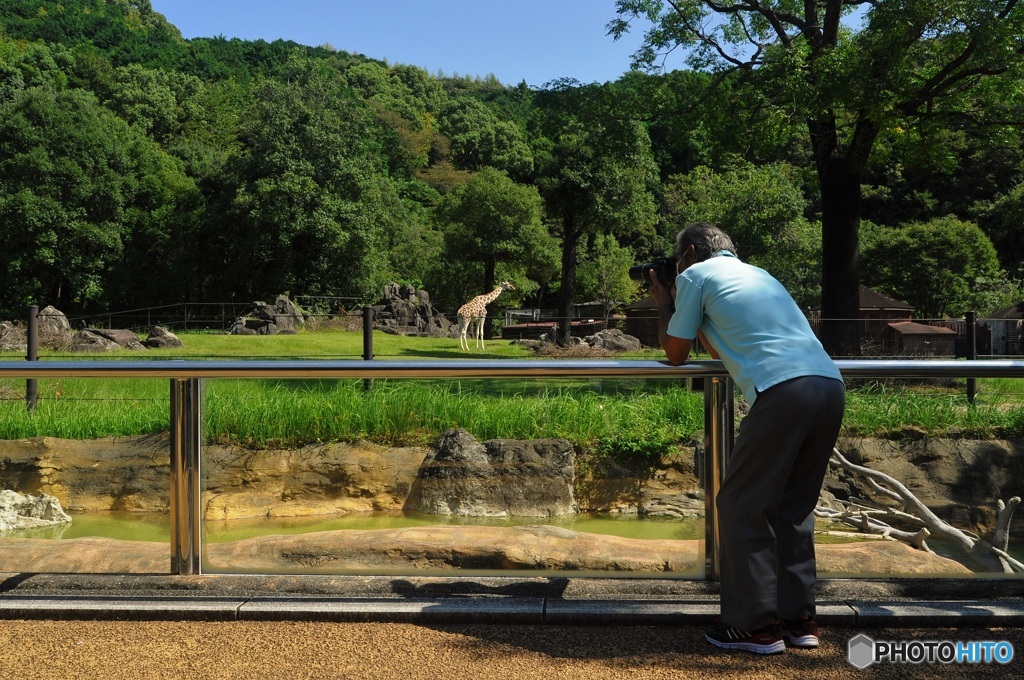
[660, 293]
[677, 350]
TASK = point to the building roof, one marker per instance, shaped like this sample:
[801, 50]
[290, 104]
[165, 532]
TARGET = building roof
[872, 299]
[1013, 312]
[647, 303]
[912, 328]
[869, 299]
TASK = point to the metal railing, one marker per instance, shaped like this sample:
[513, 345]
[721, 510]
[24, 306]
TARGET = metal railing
[186, 379]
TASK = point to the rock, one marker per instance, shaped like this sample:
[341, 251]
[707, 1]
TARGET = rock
[958, 479]
[129, 473]
[872, 558]
[283, 316]
[161, 338]
[614, 340]
[122, 338]
[19, 511]
[88, 341]
[54, 328]
[464, 547]
[239, 328]
[330, 479]
[672, 492]
[13, 337]
[53, 320]
[497, 478]
[404, 310]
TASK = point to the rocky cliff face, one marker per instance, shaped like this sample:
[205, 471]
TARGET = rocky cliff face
[960, 480]
[497, 478]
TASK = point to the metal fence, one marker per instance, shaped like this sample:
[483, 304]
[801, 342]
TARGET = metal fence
[186, 378]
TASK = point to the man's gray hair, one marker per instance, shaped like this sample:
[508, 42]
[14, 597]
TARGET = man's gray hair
[706, 239]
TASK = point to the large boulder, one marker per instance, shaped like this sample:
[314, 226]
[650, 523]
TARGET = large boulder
[87, 340]
[282, 317]
[52, 319]
[613, 340]
[496, 478]
[404, 310]
[54, 328]
[12, 337]
[161, 338]
[124, 339]
[18, 511]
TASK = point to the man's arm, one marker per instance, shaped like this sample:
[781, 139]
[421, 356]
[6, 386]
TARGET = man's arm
[707, 345]
[677, 350]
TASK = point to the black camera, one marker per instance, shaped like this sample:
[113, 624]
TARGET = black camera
[664, 268]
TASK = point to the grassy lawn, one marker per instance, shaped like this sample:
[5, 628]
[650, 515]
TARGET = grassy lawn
[619, 417]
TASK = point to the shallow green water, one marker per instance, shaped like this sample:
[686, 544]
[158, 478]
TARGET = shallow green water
[156, 527]
[148, 527]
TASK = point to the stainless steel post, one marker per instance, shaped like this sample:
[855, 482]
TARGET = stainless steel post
[972, 351]
[367, 341]
[185, 478]
[32, 345]
[719, 412]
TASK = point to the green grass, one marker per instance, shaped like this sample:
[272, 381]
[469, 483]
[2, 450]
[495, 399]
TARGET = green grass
[293, 412]
[622, 418]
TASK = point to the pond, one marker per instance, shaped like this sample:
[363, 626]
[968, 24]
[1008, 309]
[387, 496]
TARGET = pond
[156, 527]
[152, 527]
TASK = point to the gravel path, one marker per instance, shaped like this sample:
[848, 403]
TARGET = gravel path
[110, 650]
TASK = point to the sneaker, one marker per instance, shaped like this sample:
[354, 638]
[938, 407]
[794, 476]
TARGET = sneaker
[764, 640]
[802, 632]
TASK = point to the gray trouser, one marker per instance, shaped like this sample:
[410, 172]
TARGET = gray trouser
[766, 502]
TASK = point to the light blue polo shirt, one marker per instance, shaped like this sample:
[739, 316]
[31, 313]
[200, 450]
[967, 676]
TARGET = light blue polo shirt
[751, 320]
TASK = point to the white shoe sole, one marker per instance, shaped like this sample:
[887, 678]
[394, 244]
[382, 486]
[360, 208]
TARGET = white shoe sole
[774, 648]
[801, 641]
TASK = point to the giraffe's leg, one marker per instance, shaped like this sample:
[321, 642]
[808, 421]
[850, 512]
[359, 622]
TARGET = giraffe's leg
[480, 330]
[463, 327]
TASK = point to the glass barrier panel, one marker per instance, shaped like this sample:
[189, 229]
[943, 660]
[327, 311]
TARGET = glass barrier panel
[83, 490]
[473, 476]
[899, 501]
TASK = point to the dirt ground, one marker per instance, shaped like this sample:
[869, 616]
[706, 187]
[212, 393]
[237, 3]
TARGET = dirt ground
[188, 649]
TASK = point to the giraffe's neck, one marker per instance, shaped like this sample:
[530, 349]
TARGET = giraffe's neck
[492, 296]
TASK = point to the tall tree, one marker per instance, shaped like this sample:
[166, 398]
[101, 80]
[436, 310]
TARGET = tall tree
[963, 270]
[596, 175]
[604, 275]
[910, 60]
[764, 208]
[312, 202]
[77, 184]
[493, 221]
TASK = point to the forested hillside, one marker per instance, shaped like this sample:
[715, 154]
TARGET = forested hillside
[138, 168]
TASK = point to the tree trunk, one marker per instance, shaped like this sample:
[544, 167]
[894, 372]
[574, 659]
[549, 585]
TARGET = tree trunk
[840, 257]
[489, 285]
[839, 177]
[567, 294]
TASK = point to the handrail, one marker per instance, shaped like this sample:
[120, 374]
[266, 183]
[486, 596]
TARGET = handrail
[186, 376]
[471, 368]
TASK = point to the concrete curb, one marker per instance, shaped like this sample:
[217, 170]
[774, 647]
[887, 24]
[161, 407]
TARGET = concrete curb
[556, 600]
[511, 610]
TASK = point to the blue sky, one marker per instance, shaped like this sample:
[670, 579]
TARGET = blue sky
[515, 40]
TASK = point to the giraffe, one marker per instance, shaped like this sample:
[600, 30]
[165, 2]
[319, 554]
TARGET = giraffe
[475, 312]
